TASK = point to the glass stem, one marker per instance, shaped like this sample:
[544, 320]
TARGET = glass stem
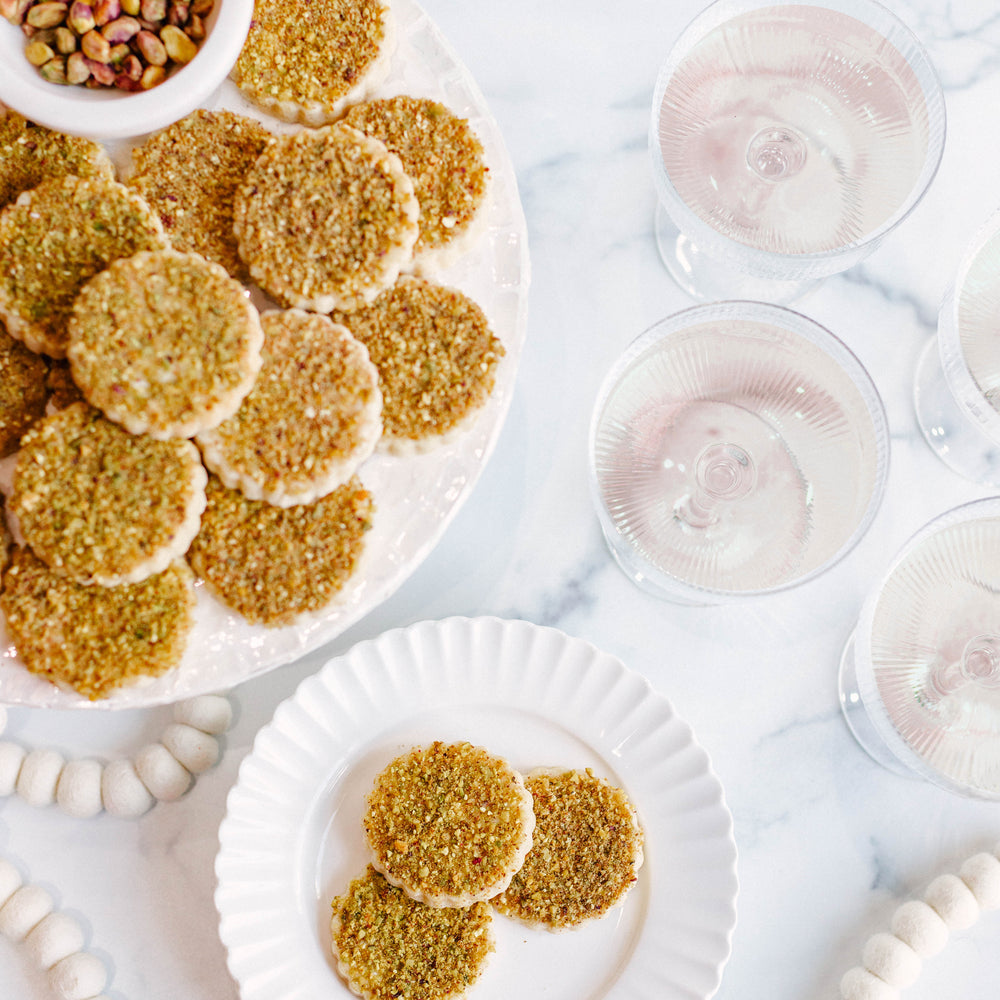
[723, 473]
[979, 665]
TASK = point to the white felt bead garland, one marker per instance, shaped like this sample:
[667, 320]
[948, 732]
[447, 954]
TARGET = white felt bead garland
[161, 771]
[78, 977]
[53, 939]
[921, 928]
[26, 907]
[122, 791]
[78, 793]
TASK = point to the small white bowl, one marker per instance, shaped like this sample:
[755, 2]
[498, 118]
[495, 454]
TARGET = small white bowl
[108, 113]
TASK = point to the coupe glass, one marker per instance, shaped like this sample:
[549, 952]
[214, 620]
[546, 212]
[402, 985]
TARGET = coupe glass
[957, 386]
[736, 449]
[788, 139]
[920, 676]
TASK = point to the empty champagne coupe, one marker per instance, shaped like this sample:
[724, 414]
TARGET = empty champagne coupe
[957, 386]
[920, 676]
[788, 139]
[736, 449]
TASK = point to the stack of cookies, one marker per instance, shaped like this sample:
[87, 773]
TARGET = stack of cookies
[198, 358]
[453, 831]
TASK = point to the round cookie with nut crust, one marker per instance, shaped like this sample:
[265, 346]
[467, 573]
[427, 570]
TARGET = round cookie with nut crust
[449, 824]
[30, 154]
[100, 505]
[312, 418]
[587, 851]
[274, 564]
[96, 639]
[390, 947]
[308, 64]
[23, 391]
[436, 357]
[189, 173]
[53, 240]
[444, 158]
[165, 343]
[327, 219]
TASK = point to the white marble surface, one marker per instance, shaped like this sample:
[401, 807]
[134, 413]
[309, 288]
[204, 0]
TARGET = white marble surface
[829, 842]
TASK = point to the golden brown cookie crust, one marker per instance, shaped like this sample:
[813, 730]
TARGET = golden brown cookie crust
[449, 823]
[586, 854]
[23, 392]
[189, 174]
[272, 564]
[96, 639]
[326, 219]
[56, 237]
[307, 64]
[436, 356]
[103, 506]
[445, 160]
[30, 154]
[165, 343]
[390, 947]
[312, 418]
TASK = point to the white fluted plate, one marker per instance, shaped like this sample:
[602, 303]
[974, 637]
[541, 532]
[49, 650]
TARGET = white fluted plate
[292, 837]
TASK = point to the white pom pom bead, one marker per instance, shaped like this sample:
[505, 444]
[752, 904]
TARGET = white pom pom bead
[210, 713]
[122, 791]
[921, 927]
[161, 772]
[79, 977]
[981, 873]
[36, 783]
[887, 957]
[860, 984]
[25, 908]
[193, 749]
[11, 758]
[79, 790]
[10, 881]
[53, 939]
[954, 902]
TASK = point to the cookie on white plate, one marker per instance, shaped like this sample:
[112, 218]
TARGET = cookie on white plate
[312, 418]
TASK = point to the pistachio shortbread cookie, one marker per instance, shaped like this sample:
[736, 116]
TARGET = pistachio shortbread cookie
[189, 174]
[53, 240]
[312, 418]
[103, 506]
[165, 343]
[23, 390]
[307, 63]
[30, 154]
[390, 947]
[436, 357]
[326, 219]
[449, 824]
[96, 639]
[444, 158]
[587, 851]
[272, 564]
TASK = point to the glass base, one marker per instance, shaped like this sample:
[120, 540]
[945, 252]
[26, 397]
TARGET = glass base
[856, 717]
[951, 433]
[708, 279]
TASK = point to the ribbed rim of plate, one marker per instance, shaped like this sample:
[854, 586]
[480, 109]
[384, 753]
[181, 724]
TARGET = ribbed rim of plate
[674, 936]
